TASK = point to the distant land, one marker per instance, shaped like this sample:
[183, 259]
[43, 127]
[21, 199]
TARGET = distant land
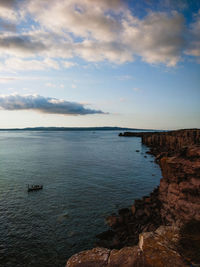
[105, 128]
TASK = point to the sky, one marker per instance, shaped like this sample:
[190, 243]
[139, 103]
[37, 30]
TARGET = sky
[88, 63]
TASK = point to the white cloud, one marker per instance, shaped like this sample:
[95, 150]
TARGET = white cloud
[8, 13]
[84, 18]
[93, 30]
[44, 104]
[157, 38]
[193, 48]
[17, 64]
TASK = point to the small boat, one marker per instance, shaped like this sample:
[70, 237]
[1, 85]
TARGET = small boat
[34, 187]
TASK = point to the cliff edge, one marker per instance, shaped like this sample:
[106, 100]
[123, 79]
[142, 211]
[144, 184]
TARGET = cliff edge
[162, 229]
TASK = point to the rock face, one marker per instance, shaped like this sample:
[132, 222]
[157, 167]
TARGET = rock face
[175, 202]
[178, 153]
[179, 189]
[159, 248]
[171, 140]
[155, 249]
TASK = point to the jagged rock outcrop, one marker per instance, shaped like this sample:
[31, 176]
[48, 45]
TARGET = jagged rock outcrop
[175, 202]
[155, 249]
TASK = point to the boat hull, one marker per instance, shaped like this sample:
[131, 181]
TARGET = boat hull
[30, 189]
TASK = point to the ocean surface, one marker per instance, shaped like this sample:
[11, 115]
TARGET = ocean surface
[86, 176]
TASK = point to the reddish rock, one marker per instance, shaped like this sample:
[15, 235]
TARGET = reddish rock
[180, 187]
[175, 202]
[125, 257]
[155, 249]
[96, 257]
[159, 248]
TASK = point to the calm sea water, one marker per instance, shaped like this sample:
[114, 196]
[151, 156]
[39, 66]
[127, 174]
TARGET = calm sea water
[86, 176]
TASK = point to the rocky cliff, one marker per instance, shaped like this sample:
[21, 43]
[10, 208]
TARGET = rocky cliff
[169, 142]
[162, 229]
[178, 153]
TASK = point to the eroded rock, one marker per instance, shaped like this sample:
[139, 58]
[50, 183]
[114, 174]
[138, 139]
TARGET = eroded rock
[175, 202]
[155, 249]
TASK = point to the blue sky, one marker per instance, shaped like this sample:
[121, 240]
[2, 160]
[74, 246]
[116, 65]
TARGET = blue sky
[96, 63]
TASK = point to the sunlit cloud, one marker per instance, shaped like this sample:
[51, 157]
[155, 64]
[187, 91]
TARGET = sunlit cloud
[44, 105]
[92, 30]
[18, 64]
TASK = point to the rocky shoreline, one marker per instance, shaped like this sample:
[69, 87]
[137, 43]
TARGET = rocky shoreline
[152, 232]
[125, 227]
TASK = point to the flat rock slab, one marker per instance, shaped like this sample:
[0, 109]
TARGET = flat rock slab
[155, 249]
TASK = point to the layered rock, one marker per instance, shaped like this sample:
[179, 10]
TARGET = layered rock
[178, 153]
[179, 189]
[175, 202]
[169, 141]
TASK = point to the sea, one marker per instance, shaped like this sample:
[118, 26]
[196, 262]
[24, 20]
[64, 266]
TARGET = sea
[86, 176]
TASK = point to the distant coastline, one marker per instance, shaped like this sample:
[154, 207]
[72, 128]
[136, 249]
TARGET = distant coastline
[105, 128]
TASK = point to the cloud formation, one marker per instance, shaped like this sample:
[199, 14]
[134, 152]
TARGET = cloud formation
[193, 48]
[7, 10]
[16, 64]
[44, 104]
[7, 3]
[95, 31]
